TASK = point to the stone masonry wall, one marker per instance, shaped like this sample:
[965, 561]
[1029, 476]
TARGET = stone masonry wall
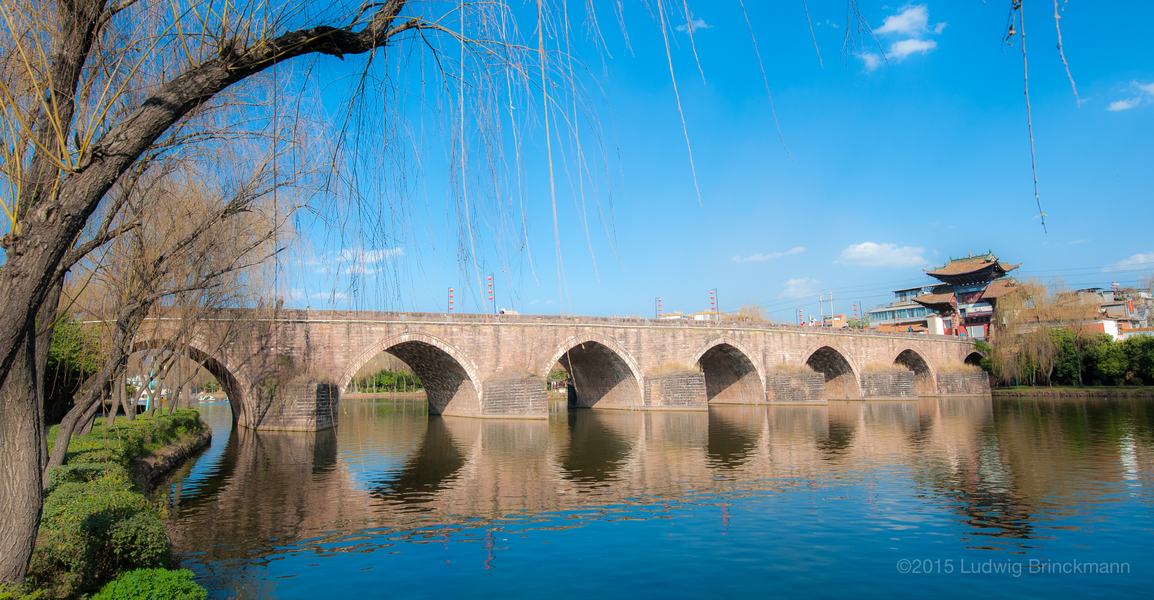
[969, 384]
[460, 355]
[515, 396]
[800, 387]
[888, 384]
[675, 390]
[303, 405]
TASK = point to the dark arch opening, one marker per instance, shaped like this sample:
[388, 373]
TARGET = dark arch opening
[923, 378]
[975, 359]
[187, 377]
[730, 377]
[840, 381]
[448, 388]
[599, 377]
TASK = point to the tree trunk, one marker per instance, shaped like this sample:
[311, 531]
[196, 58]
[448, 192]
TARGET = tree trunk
[46, 322]
[125, 399]
[20, 477]
[89, 417]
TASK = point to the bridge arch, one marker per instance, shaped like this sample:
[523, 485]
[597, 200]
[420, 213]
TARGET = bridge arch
[974, 358]
[450, 379]
[602, 373]
[842, 377]
[229, 383]
[925, 378]
[731, 376]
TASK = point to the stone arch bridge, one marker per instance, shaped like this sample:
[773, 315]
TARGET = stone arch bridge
[286, 369]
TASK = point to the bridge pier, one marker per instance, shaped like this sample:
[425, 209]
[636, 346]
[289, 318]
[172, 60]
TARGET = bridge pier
[302, 404]
[683, 390]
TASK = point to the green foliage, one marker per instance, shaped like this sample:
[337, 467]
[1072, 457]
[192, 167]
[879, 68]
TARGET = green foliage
[9, 591]
[94, 525]
[73, 355]
[92, 531]
[858, 323]
[128, 442]
[85, 473]
[558, 375]
[386, 380]
[1100, 360]
[153, 584]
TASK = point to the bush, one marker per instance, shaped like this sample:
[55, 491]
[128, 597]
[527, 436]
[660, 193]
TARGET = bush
[153, 584]
[94, 525]
[85, 473]
[128, 443]
[1135, 380]
[15, 592]
[91, 531]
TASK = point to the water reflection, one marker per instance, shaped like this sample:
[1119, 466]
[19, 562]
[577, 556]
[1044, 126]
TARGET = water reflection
[974, 474]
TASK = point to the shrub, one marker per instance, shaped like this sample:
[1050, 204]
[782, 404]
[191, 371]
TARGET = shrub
[153, 584]
[94, 526]
[91, 531]
[84, 473]
[9, 591]
[1135, 380]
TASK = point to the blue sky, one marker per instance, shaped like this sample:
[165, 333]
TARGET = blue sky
[899, 157]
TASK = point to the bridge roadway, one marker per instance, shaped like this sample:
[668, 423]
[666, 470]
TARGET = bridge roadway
[286, 369]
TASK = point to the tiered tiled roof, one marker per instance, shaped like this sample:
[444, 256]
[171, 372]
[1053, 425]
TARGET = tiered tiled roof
[999, 287]
[959, 268]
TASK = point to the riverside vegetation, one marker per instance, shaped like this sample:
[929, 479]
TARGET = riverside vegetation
[98, 532]
[1067, 359]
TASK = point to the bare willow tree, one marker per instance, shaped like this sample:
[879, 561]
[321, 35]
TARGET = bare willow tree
[191, 251]
[1028, 322]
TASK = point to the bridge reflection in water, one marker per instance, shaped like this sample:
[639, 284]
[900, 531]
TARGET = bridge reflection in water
[387, 475]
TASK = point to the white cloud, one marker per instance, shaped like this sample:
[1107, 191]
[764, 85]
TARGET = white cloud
[799, 288]
[1076, 242]
[910, 21]
[904, 48]
[869, 254]
[1124, 104]
[357, 261]
[1136, 261]
[771, 255]
[697, 23]
[1145, 95]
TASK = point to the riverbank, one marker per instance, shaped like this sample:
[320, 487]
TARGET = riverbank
[97, 524]
[1077, 392]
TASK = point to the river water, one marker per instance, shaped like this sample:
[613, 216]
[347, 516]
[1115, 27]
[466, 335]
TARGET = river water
[952, 497]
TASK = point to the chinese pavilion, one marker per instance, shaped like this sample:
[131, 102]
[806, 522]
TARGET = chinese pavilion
[969, 292]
